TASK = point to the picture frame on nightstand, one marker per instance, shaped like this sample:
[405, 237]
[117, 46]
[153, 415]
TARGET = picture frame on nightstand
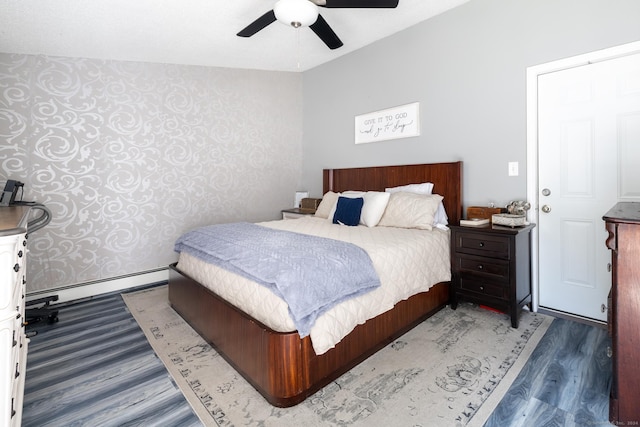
[298, 198]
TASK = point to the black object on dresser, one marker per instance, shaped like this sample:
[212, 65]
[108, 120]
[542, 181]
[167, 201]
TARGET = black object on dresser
[491, 265]
[623, 224]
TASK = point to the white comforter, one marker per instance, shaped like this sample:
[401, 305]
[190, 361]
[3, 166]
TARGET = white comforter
[408, 261]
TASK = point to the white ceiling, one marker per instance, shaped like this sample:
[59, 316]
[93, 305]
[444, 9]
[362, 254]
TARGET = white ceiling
[194, 32]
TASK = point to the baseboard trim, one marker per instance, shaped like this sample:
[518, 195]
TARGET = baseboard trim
[98, 287]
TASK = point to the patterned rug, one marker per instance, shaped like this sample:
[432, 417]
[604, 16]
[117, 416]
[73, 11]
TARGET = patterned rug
[451, 370]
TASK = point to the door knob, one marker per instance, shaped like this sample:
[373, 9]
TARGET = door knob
[546, 209]
[546, 192]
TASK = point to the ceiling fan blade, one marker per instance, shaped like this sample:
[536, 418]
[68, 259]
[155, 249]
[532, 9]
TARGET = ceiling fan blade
[258, 24]
[326, 34]
[358, 3]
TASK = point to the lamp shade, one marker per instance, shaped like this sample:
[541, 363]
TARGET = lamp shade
[297, 13]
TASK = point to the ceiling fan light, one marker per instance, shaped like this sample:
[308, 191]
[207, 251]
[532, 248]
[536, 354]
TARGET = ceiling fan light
[297, 13]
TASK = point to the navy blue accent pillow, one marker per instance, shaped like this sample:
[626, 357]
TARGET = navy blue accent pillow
[348, 211]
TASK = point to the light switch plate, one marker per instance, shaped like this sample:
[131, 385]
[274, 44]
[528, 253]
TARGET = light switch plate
[513, 168]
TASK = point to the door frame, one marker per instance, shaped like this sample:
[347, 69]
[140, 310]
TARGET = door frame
[532, 137]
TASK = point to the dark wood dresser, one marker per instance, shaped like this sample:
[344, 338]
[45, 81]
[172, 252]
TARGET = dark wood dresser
[491, 265]
[623, 225]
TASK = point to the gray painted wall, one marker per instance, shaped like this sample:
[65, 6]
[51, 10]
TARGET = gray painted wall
[467, 68]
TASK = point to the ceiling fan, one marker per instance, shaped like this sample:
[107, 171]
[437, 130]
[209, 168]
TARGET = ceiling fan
[305, 13]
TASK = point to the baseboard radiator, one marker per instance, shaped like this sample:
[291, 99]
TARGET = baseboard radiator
[93, 288]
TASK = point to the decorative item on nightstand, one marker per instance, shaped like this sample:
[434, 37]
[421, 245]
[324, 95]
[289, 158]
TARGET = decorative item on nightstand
[308, 206]
[483, 212]
[517, 216]
[310, 203]
[474, 222]
[478, 216]
[299, 196]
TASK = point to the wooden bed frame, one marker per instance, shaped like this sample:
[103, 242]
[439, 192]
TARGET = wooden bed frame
[283, 367]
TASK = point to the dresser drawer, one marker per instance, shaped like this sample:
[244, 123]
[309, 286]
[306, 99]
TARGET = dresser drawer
[483, 244]
[479, 286]
[9, 269]
[488, 268]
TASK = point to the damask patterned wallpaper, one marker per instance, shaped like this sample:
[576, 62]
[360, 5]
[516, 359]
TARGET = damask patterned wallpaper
[127, 156]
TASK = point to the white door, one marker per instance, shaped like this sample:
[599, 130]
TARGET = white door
[589, 158]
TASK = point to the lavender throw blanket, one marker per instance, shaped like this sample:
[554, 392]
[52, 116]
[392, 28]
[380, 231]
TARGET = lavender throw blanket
[310, 273]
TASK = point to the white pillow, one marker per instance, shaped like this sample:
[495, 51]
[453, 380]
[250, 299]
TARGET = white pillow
[440, 219]
[328, 203]
[424, 188]
[411, 210]
[375, 203]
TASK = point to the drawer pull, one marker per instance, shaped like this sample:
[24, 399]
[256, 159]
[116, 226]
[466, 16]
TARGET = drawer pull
[20, 254]
[481, 244]
[16, 268]
[480, 266]
[482, 288]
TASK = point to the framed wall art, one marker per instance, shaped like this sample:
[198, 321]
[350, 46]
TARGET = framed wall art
[392, 123]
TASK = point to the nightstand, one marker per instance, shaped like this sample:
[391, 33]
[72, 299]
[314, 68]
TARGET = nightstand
[295, 213]
[491, 265]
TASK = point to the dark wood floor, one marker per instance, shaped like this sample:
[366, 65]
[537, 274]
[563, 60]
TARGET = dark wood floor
[566, 381]
[95, 367]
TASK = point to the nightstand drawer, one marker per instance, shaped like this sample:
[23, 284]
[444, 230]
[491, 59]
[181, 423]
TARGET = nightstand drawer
[493, 269]
[479, 286]
[491, 265]
[483, 244]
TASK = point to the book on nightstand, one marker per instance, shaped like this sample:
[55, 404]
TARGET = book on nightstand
[474, 222]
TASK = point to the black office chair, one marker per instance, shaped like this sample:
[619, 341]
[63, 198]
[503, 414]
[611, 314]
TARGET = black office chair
[42, 313]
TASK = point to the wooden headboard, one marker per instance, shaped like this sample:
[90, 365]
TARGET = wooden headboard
[446, 179]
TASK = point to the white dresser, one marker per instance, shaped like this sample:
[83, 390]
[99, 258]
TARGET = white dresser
[13, 342]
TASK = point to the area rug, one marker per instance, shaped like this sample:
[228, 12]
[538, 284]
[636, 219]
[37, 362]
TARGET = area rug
[450, 370]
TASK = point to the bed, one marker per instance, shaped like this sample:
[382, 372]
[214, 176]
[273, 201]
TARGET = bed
[283, 367]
